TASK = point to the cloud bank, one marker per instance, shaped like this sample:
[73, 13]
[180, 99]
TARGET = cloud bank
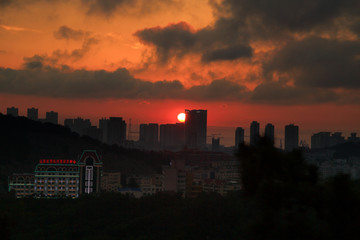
[41, 80]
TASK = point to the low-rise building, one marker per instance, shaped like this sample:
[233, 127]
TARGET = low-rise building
[22, 184]
[56, 178]
[111, 181]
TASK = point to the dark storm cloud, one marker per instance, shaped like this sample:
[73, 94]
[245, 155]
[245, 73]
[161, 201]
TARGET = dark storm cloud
[222, 90]
[64, 32]
[238, 22]
[179, 39]
[317, 62]
[176, 39]
[25, 3]
[53, 82]
[295, 15]
[355, 27]
[34, 63]
[278, 93]
[108, 8]
[104, 8]
[41, 80]
[229, 53]
[4, 3]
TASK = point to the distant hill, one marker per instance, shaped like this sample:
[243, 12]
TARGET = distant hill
[23, 142]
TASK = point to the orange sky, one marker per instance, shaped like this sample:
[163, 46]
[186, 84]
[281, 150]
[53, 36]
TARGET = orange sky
[241, 61]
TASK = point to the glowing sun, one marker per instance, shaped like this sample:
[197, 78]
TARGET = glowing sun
[181, 117]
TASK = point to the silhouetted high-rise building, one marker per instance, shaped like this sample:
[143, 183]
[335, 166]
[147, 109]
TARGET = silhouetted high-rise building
[326, 139]
[353, 138]
[239, 137]
[114, 130]
[320, 140]
[52, 117]
[336, 138]
[195, 128]
[78, 125]
[13, 111]
[149, 134]
[269, 132]
[215, 144]
[291, 137]
[93, 132]
[172, 136]
[254, 133]
[69, 122]
[32, 113]
[81, 125]
[103, 122]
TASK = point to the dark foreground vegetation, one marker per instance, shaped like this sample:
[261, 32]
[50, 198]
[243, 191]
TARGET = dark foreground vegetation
[282, 198]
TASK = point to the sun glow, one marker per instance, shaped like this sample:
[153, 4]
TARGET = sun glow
[181, 117]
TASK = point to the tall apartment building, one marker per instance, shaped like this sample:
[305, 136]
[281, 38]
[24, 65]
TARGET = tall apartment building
[254, 133]
[291, 137]
[270, 132]
[195, 128]
[149, 135]
[114, 130]
[52, 117]
[239, 137]
[33, 114]
[13, 111]
[78, 125]
[172, 136]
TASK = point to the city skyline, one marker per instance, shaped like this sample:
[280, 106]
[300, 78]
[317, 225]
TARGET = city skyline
[228, 135]
[234, 58]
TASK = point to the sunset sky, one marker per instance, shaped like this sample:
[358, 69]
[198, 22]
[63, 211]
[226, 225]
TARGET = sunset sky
[276, 61]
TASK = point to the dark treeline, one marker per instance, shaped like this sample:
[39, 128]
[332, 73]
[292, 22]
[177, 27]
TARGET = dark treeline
[23, 142]
[282, 198]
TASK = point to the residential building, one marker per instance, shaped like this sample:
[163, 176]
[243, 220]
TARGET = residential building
[13, 111]
[270, 132]
[239, 137]
[22, 184]
[111, 182]
[149, 135]
[52, 117]
[291, 137]
[254, 133]
[32, 113]
[113, 129]
[172, 136]
[195, 128]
